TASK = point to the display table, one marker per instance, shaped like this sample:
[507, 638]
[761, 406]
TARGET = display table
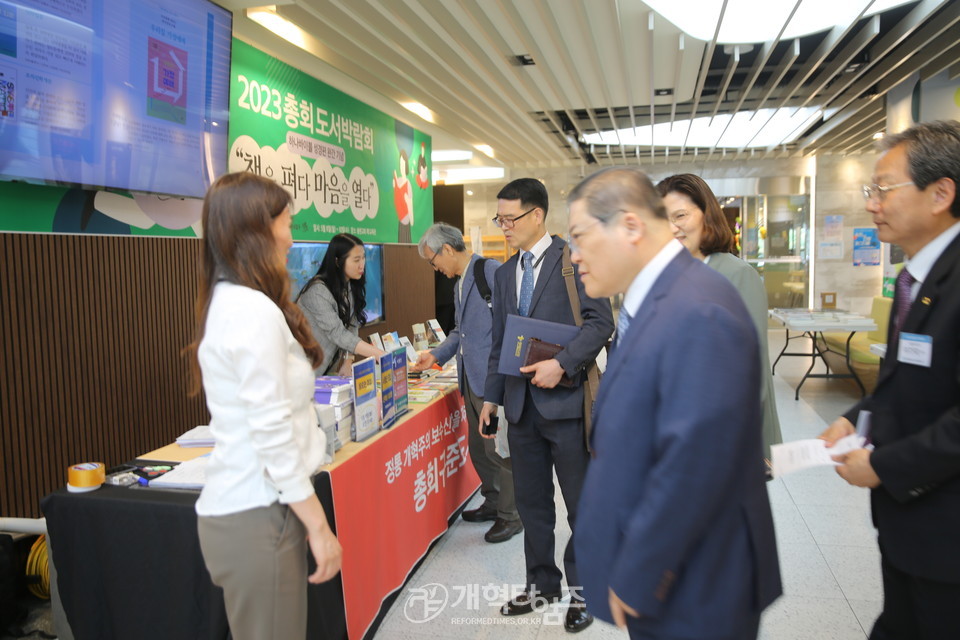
[129, 564]
[806, 323]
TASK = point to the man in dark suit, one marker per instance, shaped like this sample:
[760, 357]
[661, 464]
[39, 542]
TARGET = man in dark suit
[546, 420]
[443, 247]
[914, 470]
[674, 536]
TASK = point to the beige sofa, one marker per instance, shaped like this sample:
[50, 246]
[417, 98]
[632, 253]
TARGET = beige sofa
[864, 363]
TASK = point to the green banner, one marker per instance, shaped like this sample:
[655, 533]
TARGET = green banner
[349, 167]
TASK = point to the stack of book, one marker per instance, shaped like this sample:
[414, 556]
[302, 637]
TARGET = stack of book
[197, 437]
[334, 397]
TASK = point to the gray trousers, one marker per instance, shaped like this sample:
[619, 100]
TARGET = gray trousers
[496, 473]
[259, 558]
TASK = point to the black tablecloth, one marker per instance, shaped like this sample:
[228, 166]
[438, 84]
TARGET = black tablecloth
[129, 566]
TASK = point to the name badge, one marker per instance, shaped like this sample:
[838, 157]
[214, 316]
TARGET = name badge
[915, 349]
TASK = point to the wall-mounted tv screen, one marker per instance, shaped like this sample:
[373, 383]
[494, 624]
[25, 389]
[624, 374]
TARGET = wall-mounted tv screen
[304, 259]
[124, 94]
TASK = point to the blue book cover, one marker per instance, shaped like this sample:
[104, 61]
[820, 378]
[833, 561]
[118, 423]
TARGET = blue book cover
[366, 413]
[519, 329]
[400, 381]
[387, 408]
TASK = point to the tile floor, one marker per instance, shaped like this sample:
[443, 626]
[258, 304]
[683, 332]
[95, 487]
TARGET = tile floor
[827, 545]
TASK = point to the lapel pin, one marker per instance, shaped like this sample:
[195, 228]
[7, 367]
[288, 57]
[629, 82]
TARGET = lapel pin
[925, 300]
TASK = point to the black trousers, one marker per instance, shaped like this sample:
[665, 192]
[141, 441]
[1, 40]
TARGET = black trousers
[916, 608]
[537, 447]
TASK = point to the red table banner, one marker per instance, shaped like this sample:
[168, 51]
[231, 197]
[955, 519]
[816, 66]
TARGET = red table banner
[395, 499]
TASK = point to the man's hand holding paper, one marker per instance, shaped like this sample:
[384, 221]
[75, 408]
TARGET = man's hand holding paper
[814, 452]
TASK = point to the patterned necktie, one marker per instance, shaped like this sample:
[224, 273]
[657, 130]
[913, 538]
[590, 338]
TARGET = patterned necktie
[623, 323]
[526, 284]
[904, 285]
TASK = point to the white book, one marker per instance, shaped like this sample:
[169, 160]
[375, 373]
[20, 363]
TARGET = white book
[199, 436]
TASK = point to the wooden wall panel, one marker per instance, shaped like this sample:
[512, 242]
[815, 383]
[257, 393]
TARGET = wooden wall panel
[408, 290]
[91, 329]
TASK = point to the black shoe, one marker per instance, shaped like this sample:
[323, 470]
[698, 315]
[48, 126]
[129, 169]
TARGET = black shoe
[523, 603]
[577, 618]
[483, 514]
[502, 530]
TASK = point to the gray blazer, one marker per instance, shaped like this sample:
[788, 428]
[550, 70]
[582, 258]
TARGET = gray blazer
[320, 309]
[550, 302]
[748, 284]
[470, 338]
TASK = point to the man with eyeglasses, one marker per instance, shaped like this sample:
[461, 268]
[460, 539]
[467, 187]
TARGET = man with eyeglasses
[546, 419]
[443, 247]
[913, 470]
[675, 533]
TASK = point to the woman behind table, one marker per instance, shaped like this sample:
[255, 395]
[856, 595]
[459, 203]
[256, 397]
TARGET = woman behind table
[254, 355]
[333, 302]
[699, 223]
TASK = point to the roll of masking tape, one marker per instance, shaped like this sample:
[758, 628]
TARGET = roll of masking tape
[86, 476]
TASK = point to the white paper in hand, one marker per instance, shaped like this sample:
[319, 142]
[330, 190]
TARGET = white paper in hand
[804, 454]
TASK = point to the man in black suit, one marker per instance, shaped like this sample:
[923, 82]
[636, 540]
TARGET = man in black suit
[914, 470]
[546, 420]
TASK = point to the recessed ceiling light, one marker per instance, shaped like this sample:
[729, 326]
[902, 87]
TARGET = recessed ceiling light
[751, 21]
[418, 109]
[878, 135]
[747, 129]
[469, 192]
[279, 25]
[450, 155]
[470, 174]
[484, 149]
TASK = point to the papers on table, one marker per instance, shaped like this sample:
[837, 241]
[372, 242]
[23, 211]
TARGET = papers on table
[191, 474]
[197, 437]
[804, 454]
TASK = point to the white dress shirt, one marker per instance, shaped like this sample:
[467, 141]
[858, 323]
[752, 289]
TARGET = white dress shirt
[538, 249]
[644, 281]
[259, 386]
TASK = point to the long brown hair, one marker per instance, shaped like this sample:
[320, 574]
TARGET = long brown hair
[238, 246]
[717, 236]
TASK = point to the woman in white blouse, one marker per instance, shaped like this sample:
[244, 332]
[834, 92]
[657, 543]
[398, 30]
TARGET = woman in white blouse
[254, 355]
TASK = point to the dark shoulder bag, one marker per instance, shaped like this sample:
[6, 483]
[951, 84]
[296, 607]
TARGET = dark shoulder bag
[591, 384]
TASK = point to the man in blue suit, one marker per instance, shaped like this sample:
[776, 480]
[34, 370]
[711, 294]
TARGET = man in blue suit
[674, 534]
[546, 419]
[443, 247]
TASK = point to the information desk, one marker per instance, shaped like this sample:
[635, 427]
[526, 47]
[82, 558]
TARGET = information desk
[129, 564]
[806, 323]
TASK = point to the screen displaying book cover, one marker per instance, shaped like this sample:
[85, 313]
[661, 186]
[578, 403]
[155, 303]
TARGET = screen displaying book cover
[112, 93]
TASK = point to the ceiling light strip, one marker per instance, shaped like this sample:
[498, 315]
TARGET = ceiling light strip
[704, 68]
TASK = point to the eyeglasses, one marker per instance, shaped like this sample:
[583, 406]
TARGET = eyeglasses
[435, 256]
[871, 191]
[575, 237]
[508, 223]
